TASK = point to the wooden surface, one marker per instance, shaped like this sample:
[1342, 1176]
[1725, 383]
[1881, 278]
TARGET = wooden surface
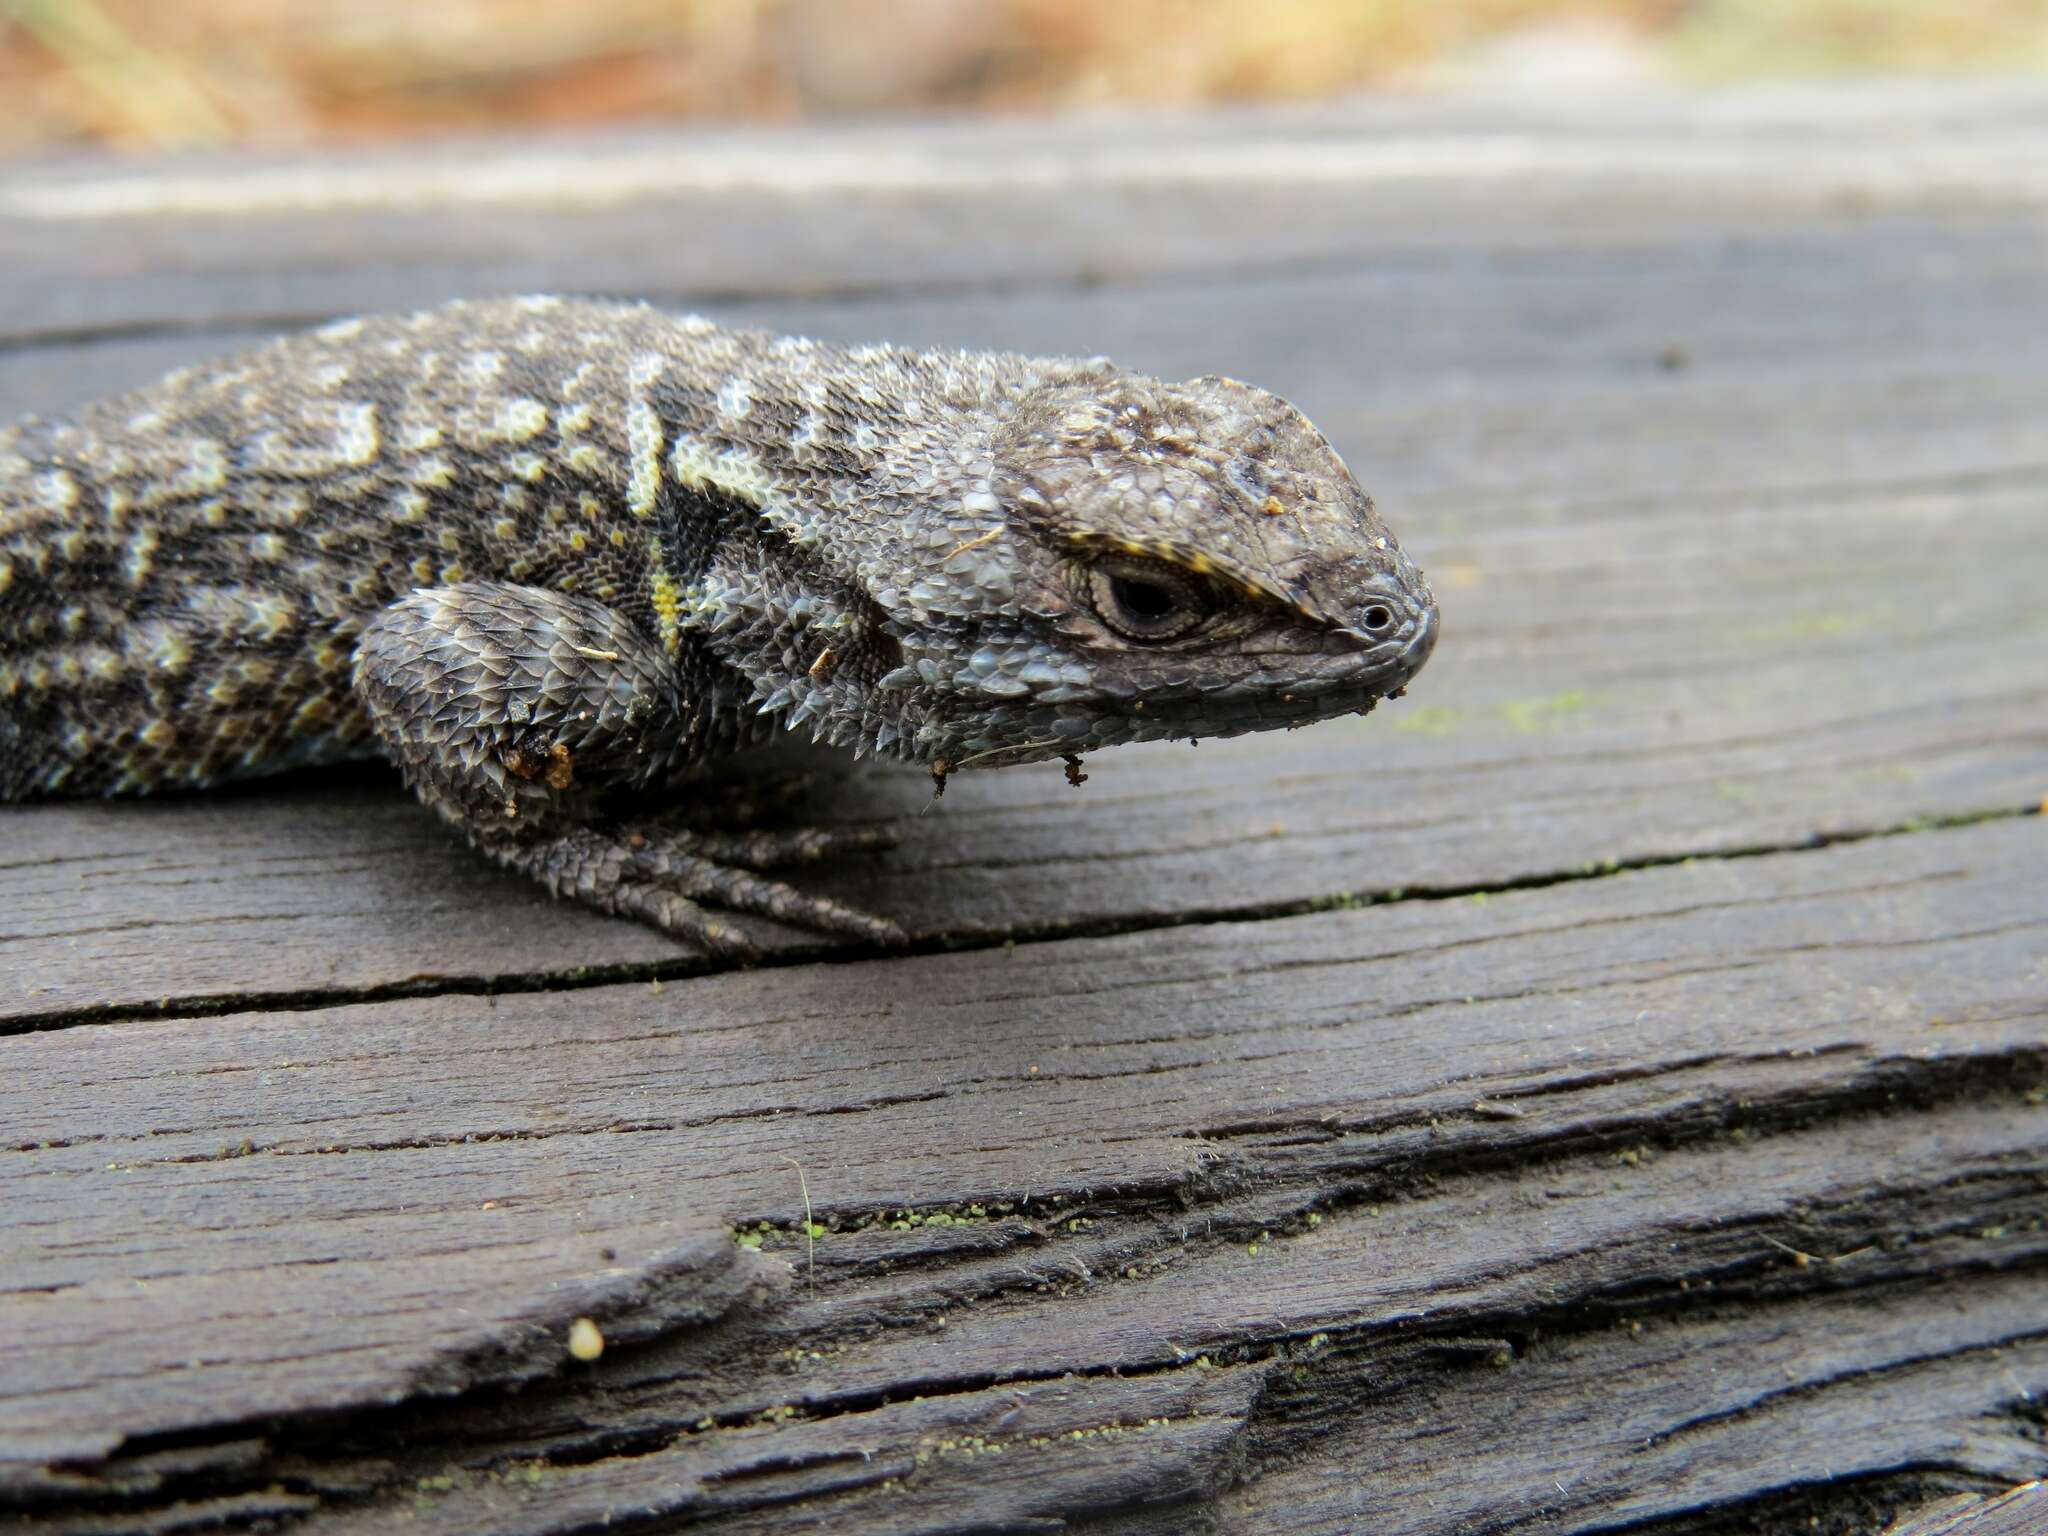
[1607, 1090]
[2021, 1512]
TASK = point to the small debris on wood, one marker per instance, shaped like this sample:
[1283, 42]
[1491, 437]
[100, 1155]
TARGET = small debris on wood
[586, 1342]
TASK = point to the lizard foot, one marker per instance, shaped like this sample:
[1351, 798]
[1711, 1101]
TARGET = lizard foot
[515, 711]
[667, 878]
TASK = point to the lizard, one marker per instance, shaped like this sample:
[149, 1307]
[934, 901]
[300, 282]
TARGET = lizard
[555, 557]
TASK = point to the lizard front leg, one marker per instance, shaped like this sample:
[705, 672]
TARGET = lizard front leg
[512, 710]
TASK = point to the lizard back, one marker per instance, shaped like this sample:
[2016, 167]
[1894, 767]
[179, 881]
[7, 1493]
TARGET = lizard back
[185, 570]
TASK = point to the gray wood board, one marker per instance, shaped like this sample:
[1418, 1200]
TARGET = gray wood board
[1836, 629]
[1485, 372]
[1540, 1118]
[99, 248]
[1604, 1090]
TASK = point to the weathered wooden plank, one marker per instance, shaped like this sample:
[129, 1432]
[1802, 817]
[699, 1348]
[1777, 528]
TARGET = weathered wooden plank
[278, 893]
[208, 239]
[2018, 1513]
[1629, 675]
[1445, 1084]
[1562, 1451]
[1864, 353]
[1680, 1421]
[1740, 1420]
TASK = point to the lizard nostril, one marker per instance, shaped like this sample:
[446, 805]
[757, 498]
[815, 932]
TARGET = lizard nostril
[1378, 617]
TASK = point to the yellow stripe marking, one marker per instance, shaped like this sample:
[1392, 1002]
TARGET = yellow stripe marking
[643, 438]
[667, 599]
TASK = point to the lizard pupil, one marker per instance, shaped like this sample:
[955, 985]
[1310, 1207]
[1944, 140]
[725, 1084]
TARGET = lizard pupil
[1145, 601]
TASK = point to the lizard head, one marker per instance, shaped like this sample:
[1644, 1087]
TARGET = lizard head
[1131, 560]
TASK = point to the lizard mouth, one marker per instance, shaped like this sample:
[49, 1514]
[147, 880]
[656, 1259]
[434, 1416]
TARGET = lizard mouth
[1327, 683]
[1277, 690]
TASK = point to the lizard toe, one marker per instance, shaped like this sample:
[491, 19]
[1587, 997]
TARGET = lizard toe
[681, 918]
[800, 845]
[742, 890]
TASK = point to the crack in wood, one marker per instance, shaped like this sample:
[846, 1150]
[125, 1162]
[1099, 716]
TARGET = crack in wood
[513, 983]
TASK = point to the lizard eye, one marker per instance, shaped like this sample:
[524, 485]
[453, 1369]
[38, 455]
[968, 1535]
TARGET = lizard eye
[1145, 601]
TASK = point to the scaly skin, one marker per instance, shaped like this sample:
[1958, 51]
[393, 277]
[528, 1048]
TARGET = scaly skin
[546, 555]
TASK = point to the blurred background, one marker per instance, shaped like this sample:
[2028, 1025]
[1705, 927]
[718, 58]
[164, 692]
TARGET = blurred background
[147, 74]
